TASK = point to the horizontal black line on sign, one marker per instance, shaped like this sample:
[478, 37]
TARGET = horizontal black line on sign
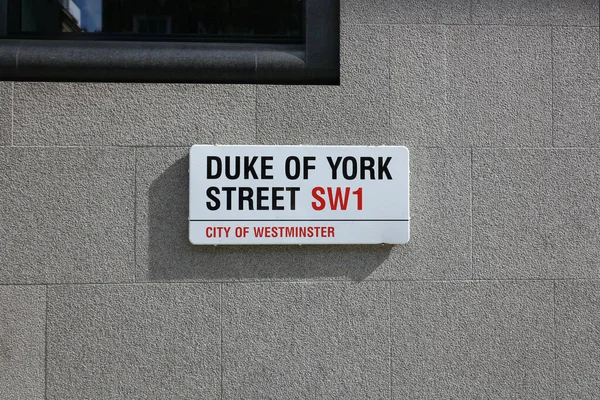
[299, 220]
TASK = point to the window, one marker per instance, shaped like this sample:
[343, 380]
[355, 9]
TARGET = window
[152, 24]
[258, 41]
[221, 20]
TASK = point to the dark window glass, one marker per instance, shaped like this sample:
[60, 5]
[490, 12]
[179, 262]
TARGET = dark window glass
[221, 20]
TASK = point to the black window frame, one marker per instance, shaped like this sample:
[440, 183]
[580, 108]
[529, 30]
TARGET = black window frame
[316, 61]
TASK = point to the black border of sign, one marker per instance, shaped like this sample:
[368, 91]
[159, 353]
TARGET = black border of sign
[314, 62]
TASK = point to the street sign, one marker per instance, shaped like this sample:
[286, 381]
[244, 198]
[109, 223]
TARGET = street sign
[243, 195]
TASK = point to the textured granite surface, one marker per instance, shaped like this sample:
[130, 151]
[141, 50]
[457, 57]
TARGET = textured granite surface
[496, 296]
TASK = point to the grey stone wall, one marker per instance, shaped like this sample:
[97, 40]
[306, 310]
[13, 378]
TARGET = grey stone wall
[496, 296]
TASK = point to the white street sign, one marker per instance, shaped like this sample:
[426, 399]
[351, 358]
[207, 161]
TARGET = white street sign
[299, 195]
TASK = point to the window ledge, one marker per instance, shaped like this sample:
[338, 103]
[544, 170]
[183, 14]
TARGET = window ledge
[110, 61]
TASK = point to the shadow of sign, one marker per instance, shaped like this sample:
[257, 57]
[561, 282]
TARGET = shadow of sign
[172, 257]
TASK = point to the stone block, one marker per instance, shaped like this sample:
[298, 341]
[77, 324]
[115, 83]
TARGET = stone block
[405, 11]
[5, 113]
[472, 340]
[535, 213]
[576, 111]
[306, 341]
[133, 341]
[577, 340]
[536, 12]
[512, 12]
[66, 215]
[439, 247]
[471, 86]
[22, 342]
[133, 114]
[575, 12]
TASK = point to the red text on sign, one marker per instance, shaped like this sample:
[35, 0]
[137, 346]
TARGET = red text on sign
[217, 231]
[294, 231]
[336, 198]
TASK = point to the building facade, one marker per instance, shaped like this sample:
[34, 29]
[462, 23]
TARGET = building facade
[496, 296]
